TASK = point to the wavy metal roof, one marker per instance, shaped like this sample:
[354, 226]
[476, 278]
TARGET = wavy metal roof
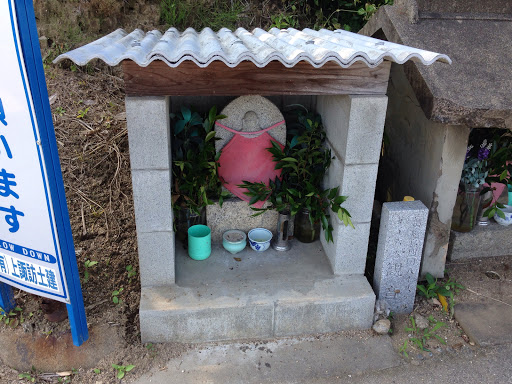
[289, 46]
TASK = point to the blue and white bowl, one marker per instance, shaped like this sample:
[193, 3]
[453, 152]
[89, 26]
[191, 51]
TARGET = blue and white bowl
[507, 210]
[259, 239]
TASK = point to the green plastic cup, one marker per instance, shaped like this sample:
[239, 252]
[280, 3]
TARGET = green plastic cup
[199, 242]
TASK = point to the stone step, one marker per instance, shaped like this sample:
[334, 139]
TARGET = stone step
[482, 241]
[264, 295]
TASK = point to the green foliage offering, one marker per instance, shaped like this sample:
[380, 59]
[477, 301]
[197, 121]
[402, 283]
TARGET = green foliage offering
[420, 337]
[214, 14]
[500, 168]
[303, 163]
[194, 168]
[88, 264]
[122, 369]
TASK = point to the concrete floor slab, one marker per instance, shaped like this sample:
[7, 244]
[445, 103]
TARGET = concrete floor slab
[486, 324]
[301, 262]
[279, 361]
[261, 296]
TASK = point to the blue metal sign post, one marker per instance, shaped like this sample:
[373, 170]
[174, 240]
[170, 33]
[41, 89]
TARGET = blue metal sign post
[36, 245]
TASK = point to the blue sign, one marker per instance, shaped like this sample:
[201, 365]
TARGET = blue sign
[36, 245]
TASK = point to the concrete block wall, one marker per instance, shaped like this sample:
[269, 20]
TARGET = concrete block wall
[354, 127]
[427, 159]
[150, 140]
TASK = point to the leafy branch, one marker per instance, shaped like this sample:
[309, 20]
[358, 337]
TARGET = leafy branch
[303, 163]
[196, 181]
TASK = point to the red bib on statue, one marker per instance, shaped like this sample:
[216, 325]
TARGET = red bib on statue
[246, 158]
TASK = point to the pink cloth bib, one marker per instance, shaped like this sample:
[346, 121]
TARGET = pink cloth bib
[247, 159]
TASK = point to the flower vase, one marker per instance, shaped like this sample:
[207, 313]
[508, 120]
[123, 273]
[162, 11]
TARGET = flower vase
[466, 208]
[304, 231]
[485, 202]
[283, 224]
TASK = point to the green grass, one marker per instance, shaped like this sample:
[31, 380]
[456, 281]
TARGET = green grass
[216, 14]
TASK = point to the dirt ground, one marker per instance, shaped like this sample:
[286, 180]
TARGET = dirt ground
[90, 125]
[485, 280]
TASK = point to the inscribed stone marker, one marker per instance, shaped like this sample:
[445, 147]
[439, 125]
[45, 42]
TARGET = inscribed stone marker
[401, 236]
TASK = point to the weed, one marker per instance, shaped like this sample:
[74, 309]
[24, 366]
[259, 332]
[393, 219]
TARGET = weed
[96, 370]
[151, 348]
[347, 14]
[12, 318]
[122, 369]
[434, 288]
[284, 21]
[47, 333]
[82, 113]
[115, 296]
[60, 111]
[88, 264]
[173, 12]
[403, 348]
[429, 290]
[27, 376]
[64, 380]
[200, 14]
[131, 271]
[421, 337]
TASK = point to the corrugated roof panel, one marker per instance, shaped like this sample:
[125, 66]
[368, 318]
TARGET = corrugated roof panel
[289, 46]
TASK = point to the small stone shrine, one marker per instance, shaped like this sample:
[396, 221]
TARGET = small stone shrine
[401, 236]
[315, 288]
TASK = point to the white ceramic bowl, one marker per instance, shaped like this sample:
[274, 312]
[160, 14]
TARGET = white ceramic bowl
[234, 240]
[508, 216]
[259, 239]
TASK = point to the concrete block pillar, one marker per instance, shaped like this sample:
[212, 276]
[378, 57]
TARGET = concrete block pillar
[354, 127]
[150, 156]
[453, 153]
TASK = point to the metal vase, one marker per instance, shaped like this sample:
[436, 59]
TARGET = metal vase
[280, 242]
[485, 202]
